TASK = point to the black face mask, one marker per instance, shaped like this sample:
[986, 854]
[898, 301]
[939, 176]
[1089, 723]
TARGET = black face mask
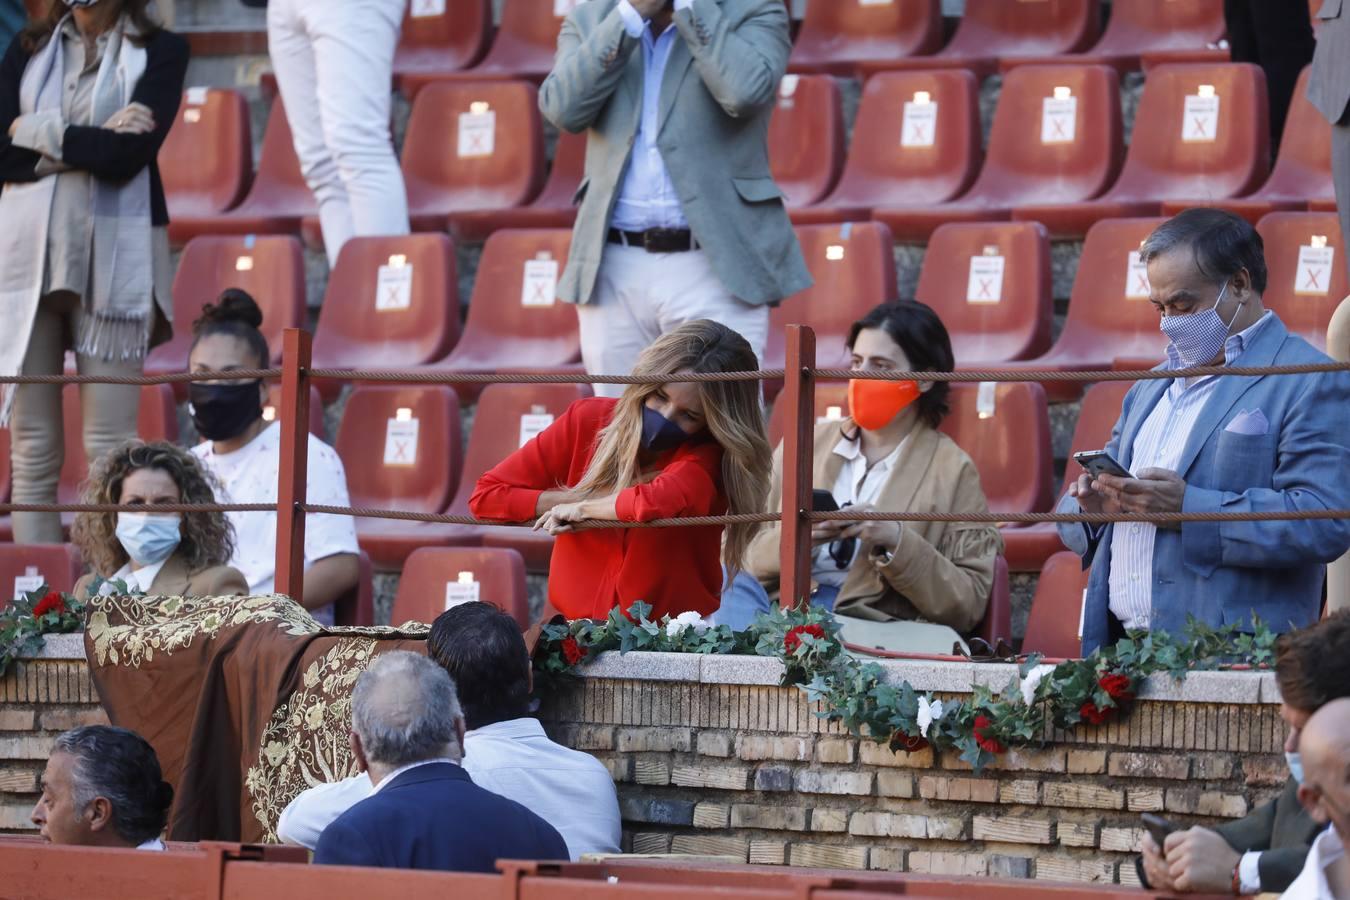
[223, 411]
[659, 434]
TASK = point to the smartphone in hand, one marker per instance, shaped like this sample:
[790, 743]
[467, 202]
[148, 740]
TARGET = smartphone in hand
[1099, 462]
[1158, 828]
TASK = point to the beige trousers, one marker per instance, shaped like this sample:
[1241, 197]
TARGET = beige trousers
[37, 431]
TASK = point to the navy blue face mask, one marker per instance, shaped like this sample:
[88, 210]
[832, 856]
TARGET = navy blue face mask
[659, 434]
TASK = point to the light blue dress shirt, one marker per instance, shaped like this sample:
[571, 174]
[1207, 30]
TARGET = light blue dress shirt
[647, 198]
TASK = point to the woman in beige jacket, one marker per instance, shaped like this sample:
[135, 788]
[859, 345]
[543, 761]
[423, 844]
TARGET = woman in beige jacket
[930, 578]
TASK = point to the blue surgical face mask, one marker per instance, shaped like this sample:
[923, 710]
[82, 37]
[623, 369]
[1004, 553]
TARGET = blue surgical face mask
[659, 434]
[148, 538]
[1295, 762]
[1198, 337]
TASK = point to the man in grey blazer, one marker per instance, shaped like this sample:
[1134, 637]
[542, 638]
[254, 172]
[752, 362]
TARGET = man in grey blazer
[679, 218]
[1245, 444]
[1329, 91]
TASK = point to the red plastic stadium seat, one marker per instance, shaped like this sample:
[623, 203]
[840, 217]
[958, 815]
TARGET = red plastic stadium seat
[1180, 153]
[367, 324]
[432, 574]
[58, 565]
[927, 156]
[1307, 271]
[1139, 27]
[1029, 547]
[806, 138]
[440, 42]
[1005, 429]
[207, 159]
[524, 46]
[992, 29]
[4, 466]
[1043, 148]
[1302, 173]
[553, 208]
[990, 284]
[515, 323]
[277, 201]
[270, 268]
[357, 606]
[854, 271]
[455, 158]
[997, 621]
[831, 402]
[400, 446]
[1056, 610]
[837, 35]
[157, 420]
[1109, 313]
[316, 423]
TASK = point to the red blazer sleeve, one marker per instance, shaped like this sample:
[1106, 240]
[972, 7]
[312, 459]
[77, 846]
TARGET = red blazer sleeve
[687, 486]
[509, 491]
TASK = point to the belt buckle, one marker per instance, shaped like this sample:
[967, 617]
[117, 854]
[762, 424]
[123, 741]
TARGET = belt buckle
[653, 239]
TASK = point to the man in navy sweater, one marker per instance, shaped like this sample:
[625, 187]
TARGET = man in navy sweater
[425, 812]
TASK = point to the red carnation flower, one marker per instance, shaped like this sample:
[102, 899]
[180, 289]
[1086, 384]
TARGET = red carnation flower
[910, 743]
[53, 602]
[986, 741]
[793, 640]
[572, 651]
[1117, 687]
[1095, 716]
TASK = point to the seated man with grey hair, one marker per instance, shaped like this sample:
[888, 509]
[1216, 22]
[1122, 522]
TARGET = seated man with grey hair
[103, 788]
[1325, 793]
[1216, 444]
[424, 812]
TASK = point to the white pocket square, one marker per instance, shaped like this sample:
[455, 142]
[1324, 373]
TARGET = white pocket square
[1249, 422]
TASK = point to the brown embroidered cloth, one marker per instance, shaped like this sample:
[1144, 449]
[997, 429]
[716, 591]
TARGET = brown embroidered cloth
[246, 700]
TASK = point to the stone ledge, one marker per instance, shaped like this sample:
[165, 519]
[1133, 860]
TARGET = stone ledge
[61, 646]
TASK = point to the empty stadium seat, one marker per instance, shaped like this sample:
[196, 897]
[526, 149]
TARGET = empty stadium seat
[157, 420]
[471, 147]
[997, 621]
[1005, 429]
[391, 303]
[1056, 138]
[434, 579]
[992, 29]
[508, 414]
[1056, 610]
[854, 271]
[1306, 271]
[26, 567]
[272, 270]
[400, 447]
[1027, 548]
[916, 141]
[990, 284]
[523, 47]
[438, 39]
[1139, 27]
[206, 162]
[806, 138]
[356, 608]
[515, 320]
[277, 201]
[553, 208]
[1110, 315]
[837, 35]
[1302, 173]
[1201, 132]
[316, 423]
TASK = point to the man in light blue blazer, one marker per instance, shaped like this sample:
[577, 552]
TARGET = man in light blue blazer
[1217, 444]
[679, 217]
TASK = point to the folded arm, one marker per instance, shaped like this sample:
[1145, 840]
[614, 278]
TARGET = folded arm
[17, 163]
[526, 483]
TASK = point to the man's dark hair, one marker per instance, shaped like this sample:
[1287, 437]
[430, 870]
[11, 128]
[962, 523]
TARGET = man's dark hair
[482, 649]
[918, 331]
[1312, 665]
[1221, 243]
[120, 766]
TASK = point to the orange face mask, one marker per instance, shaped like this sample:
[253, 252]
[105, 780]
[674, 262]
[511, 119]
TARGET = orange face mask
[873, 404]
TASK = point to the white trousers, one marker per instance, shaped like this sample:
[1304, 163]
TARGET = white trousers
[640, 296]
[334, 63]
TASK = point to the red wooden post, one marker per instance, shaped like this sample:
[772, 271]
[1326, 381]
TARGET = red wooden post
[798, 464]
[294, 413]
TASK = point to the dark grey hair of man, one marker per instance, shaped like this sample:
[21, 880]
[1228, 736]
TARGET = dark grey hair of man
[404, 709]
[1221, 243]
[120, 766]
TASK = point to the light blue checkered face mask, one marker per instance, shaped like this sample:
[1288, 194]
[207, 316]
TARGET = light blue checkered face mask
[80, 4]
[1198, 337]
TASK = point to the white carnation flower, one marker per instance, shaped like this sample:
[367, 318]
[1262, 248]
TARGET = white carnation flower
[929, 712]
[676, 626]
[1033, 681]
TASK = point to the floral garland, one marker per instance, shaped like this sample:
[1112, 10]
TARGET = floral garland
[27, 619]
[1092, 691]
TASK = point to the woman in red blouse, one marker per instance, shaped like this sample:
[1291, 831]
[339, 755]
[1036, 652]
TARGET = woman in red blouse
[660, 451]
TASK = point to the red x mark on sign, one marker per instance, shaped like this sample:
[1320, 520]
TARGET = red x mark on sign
[920, 135]
[1058, 124]
[476, 140]
[391, 297]
[539, 295]
[400, 450]
[1314, 281]
[1199, 127]
[1141, 283]
[986, 287]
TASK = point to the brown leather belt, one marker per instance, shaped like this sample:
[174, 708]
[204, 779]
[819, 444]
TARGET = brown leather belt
[656, 240]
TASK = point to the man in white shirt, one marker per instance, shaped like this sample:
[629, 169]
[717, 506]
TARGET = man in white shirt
[505, 749]
[1325, 793]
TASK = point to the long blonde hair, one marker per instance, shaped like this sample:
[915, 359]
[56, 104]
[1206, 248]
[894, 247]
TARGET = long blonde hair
[730, 408]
